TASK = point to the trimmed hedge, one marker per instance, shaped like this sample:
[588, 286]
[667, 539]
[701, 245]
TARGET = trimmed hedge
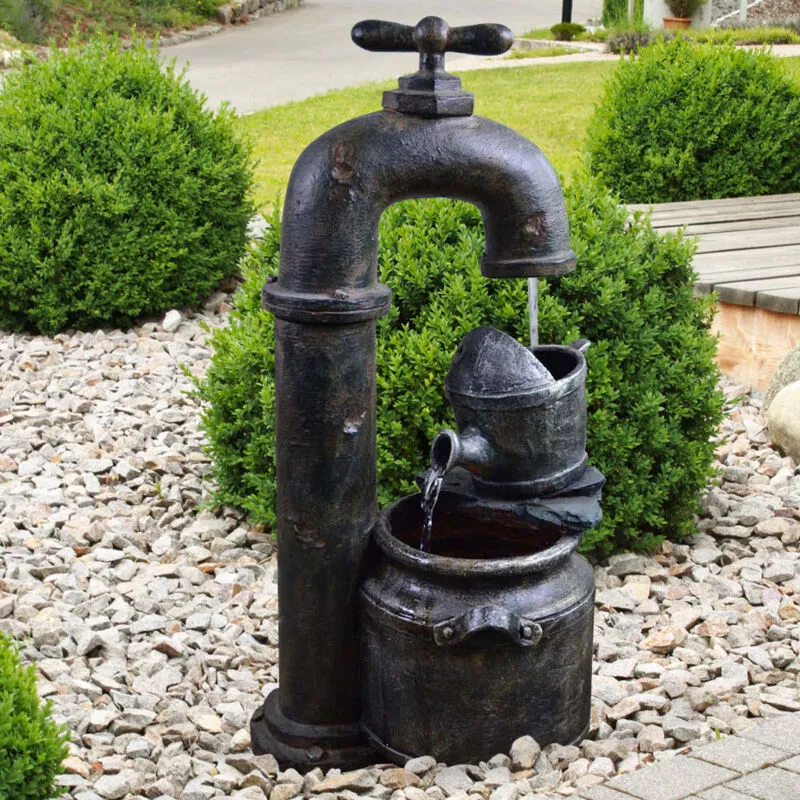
[686, 121]
[32, 746]
[653, 406]
[120, 194]
[567, 31]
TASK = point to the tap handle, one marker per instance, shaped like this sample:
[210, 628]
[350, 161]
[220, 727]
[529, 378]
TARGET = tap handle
[380, 36]
[486, 39]
[432, 36]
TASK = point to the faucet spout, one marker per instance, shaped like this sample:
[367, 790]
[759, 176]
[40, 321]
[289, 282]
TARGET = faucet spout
[344, 181]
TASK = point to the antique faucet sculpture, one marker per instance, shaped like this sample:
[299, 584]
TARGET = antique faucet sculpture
[425, 143]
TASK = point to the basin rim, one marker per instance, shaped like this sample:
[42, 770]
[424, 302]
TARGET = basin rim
[399, 552]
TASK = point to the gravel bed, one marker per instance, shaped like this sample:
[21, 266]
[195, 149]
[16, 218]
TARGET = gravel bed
[154, 627]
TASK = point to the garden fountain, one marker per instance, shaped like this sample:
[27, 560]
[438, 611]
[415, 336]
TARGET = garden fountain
[382, 647]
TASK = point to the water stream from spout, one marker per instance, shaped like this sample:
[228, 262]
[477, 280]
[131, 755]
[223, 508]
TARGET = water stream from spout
[431, 486]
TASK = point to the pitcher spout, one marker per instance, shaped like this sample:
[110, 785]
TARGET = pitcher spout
[470, 450]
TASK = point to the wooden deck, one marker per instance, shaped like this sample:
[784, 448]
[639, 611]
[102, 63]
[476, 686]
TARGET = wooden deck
[749, 253]
[748, 248]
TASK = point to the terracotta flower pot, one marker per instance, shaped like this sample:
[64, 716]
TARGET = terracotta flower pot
[676, 23]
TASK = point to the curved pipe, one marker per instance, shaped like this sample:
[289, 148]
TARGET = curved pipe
[344, 180]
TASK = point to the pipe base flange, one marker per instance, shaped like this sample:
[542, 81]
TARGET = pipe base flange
[305, 747]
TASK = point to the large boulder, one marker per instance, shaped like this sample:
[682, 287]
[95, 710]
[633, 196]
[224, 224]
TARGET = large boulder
[783, 420]
[788, 371]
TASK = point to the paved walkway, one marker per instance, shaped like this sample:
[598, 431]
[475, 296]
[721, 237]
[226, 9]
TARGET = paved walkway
[307, 50]
[762, 762]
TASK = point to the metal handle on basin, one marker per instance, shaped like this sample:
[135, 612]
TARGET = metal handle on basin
[455, 630]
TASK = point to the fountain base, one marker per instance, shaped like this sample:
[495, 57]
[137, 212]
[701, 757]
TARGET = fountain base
[305, 747]
[484, 639]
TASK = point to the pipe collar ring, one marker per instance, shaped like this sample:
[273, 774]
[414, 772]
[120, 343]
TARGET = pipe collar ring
[340, 307]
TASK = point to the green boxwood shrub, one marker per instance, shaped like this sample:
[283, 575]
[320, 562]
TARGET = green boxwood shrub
[567, 31]
[120, 194]
[685, 121]
[32, 746]
[653, 406]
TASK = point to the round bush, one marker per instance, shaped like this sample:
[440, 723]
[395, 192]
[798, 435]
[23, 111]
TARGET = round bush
[653, 405]
[567, 31]
[32, 746]
[120, 195]
[685, 121]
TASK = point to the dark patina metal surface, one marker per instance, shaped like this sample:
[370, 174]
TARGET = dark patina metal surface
[431, 92]
[576, 507]
[326, 300]
[488, 636]
[521, 415]
[460, 656]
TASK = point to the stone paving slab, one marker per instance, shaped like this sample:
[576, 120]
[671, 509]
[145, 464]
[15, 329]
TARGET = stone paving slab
[723, 793]
[772, 783]
[604, 793]
[673, 779]
[781, 732]
[740, 755]
[791, 763]
[761, 763]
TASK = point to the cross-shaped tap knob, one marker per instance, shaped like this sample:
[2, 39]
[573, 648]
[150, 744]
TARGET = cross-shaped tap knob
[431, 92]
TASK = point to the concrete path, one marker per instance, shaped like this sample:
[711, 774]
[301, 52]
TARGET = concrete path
[307, 51]
[762, 762]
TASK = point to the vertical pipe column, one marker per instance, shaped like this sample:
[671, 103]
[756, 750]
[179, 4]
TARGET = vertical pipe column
[326, 479]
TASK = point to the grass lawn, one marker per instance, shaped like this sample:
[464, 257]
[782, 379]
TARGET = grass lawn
[538, 33]
[792, 66]
[550, 104]
[540, 52]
